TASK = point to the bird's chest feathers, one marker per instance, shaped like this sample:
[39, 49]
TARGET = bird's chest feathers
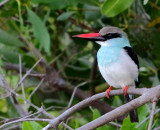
[108, 55]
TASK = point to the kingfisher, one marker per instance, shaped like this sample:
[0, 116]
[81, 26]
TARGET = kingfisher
[117, 62]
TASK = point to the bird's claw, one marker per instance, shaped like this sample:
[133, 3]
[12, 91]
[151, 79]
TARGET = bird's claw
[125, 90]
[108, 91]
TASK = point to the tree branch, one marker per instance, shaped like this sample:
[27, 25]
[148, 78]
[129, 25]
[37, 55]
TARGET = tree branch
[93, 74]
[27, 73]
[21, 120]
[3, 2]
[152, 115]
[87, 102]
[148, 95]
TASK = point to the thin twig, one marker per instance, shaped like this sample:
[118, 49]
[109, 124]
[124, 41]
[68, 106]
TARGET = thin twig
[148, 108]
[21, 120]
[146, 119]
[20, 75]
[4, 84]
[4, 2]
[13, 119]
[15, 102]
[1, 117]
[35, 89]
[115, 124]
[74, 92]
[152, 115]
[28, 72]
[39, 109]
[13, 127]
[158, 128]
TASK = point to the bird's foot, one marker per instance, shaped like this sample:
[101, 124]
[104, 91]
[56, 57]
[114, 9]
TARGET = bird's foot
[125, 90]
[108, 91]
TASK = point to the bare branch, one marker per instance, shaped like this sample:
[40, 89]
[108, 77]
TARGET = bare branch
[115, 124]
[158, 128]
[146, 119]
[147, 96]
[74, 92]
[21, 120]
[152, 115]
[4, 2]
[15, 102]
[20, 75]
[35, 89]
[28, 72]
[87, 102]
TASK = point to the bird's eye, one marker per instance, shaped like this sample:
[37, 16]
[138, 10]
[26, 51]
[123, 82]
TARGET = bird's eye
[112, 35]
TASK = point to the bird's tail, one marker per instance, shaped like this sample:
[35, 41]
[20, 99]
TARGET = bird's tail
[133, 114]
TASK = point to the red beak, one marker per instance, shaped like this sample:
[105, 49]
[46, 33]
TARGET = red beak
[90, 36]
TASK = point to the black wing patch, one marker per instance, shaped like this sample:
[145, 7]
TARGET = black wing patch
[134, 57]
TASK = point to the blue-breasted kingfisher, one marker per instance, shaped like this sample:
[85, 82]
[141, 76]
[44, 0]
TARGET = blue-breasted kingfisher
[117, 62]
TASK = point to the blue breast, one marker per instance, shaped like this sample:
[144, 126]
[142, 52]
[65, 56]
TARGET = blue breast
[107, 55]
[111, 52]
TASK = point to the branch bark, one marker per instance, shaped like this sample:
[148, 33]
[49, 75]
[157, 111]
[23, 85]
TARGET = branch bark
[147, 95]
[152, 115]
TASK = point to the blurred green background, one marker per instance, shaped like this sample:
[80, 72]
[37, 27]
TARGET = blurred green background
[33, 28]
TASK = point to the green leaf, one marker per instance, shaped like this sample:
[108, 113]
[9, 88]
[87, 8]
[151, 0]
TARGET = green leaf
[91, 12]
[35, 125]
[32, 125]
[9, 55]
[117, 101]
[107, 127]
[12, 112]
[41, 1]
[1, 62]
[55, 4]
[155, 80]
[76, 123]
[72, 2]
[58, 4]
[127, 125]
[145, 2]
[142, 114]
[96, 114]
[8, 39]
[64, 16]
[27, 126]
[40, 31]
[112, 8]
[89, 2]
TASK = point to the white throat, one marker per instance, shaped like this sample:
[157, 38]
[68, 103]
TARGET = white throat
[104, 43]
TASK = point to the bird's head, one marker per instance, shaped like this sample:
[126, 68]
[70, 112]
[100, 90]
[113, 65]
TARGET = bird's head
[107, 36]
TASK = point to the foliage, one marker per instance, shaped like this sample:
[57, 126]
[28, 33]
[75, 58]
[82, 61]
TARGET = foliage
[35, 28]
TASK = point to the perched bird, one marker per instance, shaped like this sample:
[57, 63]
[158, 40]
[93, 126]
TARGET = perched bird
[117, 61]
